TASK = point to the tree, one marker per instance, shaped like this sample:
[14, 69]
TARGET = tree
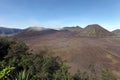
[4, 46]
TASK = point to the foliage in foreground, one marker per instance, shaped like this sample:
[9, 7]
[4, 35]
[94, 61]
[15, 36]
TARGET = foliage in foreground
[17, 63]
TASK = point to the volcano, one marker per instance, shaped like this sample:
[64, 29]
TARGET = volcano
[95, 30]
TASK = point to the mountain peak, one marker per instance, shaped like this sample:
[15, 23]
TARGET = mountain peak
[95, 30]
[94, 26]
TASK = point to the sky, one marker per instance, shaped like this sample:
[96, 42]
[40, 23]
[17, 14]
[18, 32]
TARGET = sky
[59, 13]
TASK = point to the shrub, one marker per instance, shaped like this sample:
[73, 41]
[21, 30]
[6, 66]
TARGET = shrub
[4, 73]
[107, 75]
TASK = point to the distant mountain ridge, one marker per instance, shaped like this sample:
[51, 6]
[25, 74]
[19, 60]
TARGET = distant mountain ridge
[34, 33]
[92, 30]
[73, 29]
[4, 30]
[117, 32]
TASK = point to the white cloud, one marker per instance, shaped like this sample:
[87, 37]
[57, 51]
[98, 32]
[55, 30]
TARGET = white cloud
[29, 22]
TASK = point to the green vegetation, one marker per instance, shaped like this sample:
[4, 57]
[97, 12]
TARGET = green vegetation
[18, 63]
[5, 72]
[107, 75]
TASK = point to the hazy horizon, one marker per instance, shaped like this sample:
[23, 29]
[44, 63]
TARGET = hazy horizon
[59, 13]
